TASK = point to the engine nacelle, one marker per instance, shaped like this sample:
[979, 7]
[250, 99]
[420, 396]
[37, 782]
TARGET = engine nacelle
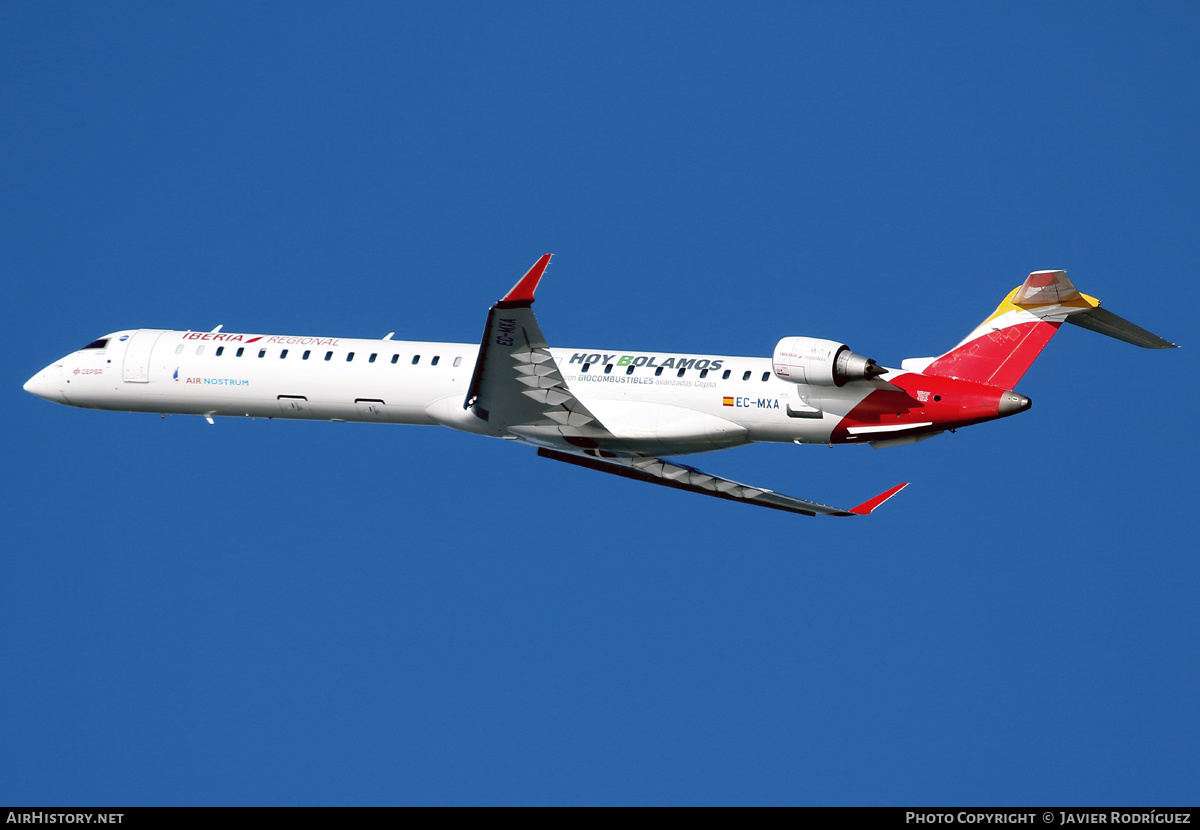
[820, 362]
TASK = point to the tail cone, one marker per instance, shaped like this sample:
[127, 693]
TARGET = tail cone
[1012, 403]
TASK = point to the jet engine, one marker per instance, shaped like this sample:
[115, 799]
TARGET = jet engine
[821, 362]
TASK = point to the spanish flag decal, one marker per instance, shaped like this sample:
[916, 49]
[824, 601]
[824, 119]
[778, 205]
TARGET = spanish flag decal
[727, 401]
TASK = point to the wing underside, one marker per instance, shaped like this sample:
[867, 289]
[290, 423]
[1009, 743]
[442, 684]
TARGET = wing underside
[681, 477]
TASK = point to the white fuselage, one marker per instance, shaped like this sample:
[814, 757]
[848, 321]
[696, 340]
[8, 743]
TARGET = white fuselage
[651, 402]
[615, 412]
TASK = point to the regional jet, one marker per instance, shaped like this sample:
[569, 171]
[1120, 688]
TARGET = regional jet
[608, 410]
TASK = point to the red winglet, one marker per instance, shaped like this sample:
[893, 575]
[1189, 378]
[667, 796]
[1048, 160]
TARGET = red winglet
[522, 292]
[867, 506]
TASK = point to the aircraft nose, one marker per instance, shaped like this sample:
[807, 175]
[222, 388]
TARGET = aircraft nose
[1011, 403]
[45, 383]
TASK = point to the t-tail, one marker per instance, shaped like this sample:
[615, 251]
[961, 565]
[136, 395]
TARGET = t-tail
[1000, 350]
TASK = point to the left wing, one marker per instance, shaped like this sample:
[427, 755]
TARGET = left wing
[516, 386]
[668, 474]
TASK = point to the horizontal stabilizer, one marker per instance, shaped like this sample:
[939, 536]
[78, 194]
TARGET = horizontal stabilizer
[1105, 322]
[680, 477]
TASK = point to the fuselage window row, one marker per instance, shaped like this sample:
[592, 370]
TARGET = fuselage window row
[434, 361]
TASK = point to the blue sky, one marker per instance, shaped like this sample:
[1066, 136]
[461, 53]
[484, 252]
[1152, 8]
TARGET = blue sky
[263, 612]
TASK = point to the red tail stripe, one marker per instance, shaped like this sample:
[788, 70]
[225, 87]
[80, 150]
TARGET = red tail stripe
[999, 358]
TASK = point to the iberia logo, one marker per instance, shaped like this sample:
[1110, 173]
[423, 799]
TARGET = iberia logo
[216, 335]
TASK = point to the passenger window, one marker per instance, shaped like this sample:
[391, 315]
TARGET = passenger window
[199, 351]
[307, 352]
[765, 376]
[329, 355]
[416, 359]
[220, 350]
[395, 357]
[262, 352]
[725, 375]
[608, 369]
[349, 356]
[458, 361]
[371, 359]
[658, 372]
[679, 374]
[629, 371]
[746, 375]
[433, 362]
[283, 354]
[179, 349]
[241, 350]
[586, 366]
[703, 373]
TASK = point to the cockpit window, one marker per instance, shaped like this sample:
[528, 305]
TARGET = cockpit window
[97, 344]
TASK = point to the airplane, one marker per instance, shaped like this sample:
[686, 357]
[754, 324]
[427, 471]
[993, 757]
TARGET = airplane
[615, 411]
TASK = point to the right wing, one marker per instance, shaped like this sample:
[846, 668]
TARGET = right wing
[668, 474]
